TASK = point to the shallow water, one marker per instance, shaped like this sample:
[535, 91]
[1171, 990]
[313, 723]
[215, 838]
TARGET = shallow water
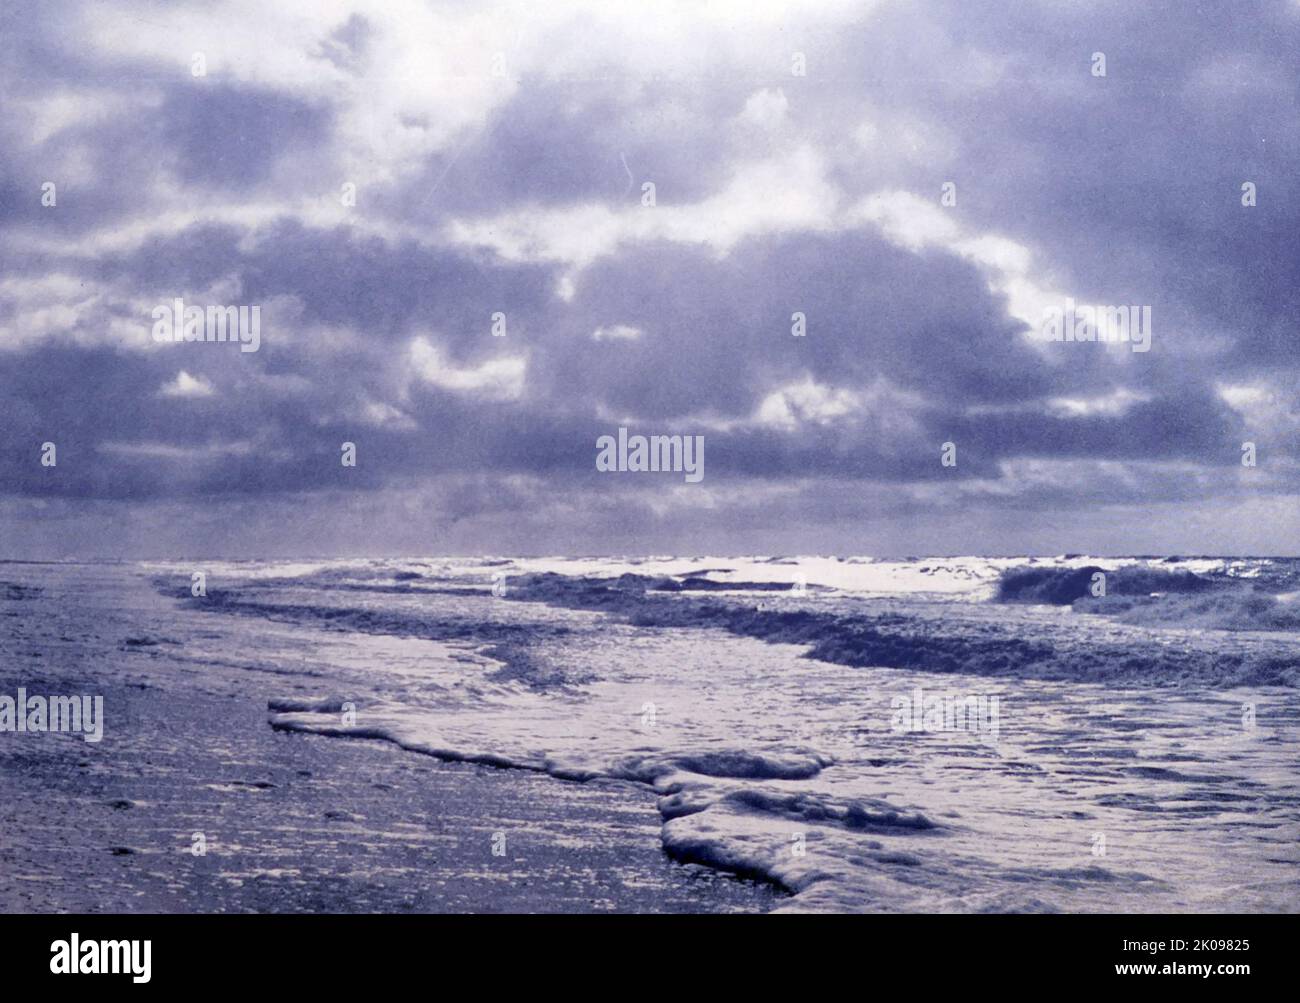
[291, 822]
[1088, 797]
[1077, 796]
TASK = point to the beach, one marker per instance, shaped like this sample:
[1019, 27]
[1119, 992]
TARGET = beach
[293, 823]
[697, 735]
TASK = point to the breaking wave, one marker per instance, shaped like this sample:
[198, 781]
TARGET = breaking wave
[1062, 586]
[947, 642]
[1244, 610]
[1159, 597]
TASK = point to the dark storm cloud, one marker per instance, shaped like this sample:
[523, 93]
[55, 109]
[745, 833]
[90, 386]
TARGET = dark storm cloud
[230, 138]
[718, 333]
[1134, 180]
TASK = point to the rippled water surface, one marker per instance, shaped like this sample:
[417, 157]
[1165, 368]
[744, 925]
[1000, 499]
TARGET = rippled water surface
[1138, 792]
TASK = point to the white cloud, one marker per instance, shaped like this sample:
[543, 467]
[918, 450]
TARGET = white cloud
[187, 386]
[1242, 397]
[169, 451]
[495, 379]
[766, 109]
[1111, 405]
[1265, 409]
[805, 402]
[377, 414]
[884, 409]
[783, 194]
[61, 307]
[617, 332]
[906, 219]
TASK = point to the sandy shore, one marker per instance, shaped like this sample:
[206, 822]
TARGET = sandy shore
[292, 823]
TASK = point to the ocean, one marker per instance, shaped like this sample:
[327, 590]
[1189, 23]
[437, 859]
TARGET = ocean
[946, 734]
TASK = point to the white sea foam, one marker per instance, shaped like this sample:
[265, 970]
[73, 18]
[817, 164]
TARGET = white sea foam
[774, 764]
[971, 578]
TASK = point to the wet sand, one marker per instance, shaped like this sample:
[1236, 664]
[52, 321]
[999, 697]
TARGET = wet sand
[292, 823]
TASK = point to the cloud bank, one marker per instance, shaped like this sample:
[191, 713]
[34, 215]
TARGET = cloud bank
[482, 236]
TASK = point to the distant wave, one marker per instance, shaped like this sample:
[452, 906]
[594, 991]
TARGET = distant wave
[897, 639]
[1242, 610]
[898, 634]
[1062, 586]
[1157, 597]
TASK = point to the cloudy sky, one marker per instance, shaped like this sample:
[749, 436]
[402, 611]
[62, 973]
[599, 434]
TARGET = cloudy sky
[499, 154]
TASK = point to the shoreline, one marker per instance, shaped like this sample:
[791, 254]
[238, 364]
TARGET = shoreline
[1189, 796]
[290, 822]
